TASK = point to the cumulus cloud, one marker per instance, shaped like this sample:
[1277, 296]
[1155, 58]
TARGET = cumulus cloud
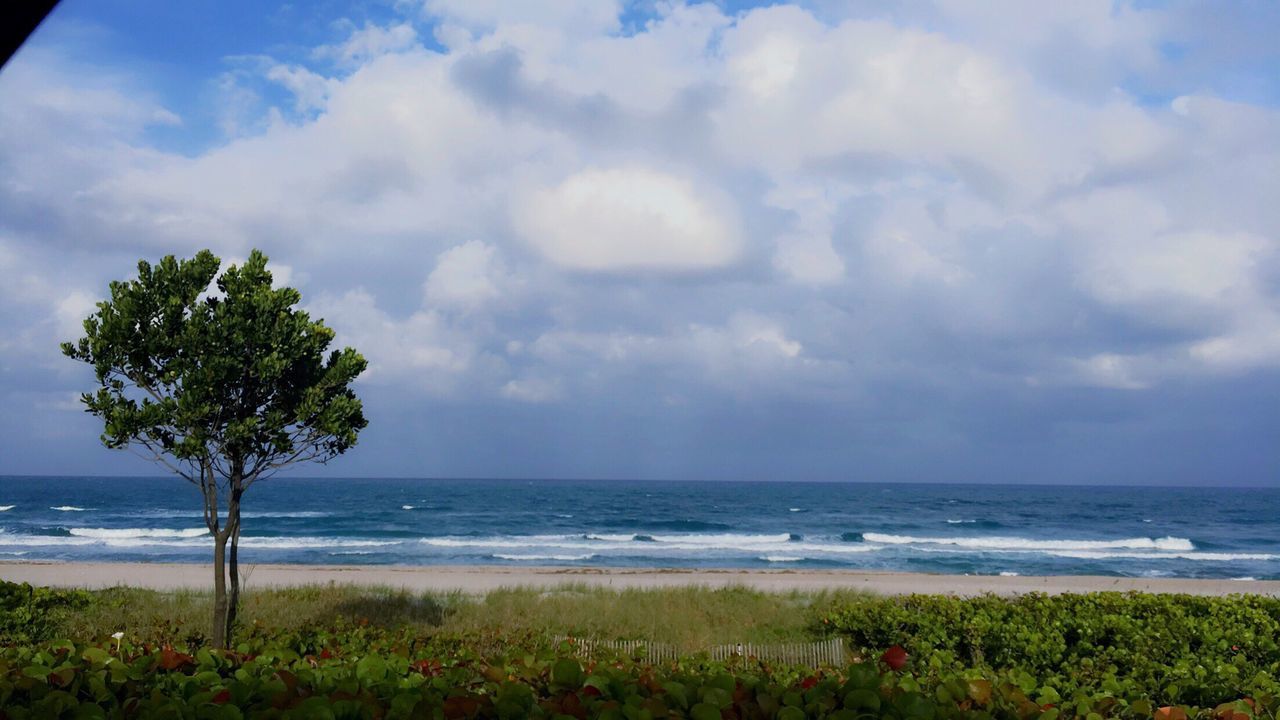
[368, 42]
[629, 219]
[879, 212]
[467, 276]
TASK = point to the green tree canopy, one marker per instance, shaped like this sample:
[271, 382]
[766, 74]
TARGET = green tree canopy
[223, 386]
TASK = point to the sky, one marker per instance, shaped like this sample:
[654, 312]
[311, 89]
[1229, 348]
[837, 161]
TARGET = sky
[921, 241]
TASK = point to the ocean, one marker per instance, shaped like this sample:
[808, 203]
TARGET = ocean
[961, 529]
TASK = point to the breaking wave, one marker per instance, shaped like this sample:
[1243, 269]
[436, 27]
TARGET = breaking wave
[1170, 544]
[125, 533]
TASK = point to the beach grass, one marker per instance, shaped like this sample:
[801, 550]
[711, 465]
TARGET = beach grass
[689, 617]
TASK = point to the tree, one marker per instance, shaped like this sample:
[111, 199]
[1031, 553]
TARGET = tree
[223, 388]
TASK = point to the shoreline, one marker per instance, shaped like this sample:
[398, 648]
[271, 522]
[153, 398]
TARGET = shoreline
[479, 579]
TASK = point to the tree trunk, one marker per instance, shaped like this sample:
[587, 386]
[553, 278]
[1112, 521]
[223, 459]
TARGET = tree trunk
[220, 590]
[209, 486]
[233, 530]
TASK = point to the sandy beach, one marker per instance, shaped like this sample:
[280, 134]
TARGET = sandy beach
[480, 579]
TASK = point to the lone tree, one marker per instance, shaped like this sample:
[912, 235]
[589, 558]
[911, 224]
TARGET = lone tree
[223, 388]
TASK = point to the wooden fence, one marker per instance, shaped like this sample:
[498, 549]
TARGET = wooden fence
[828, 653]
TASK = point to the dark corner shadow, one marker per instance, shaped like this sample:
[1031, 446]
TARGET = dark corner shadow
[18, 19]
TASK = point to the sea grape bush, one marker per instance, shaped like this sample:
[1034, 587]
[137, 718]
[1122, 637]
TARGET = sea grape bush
[1170, 649]
[362, 673]
[1095, 657]
[30, 613]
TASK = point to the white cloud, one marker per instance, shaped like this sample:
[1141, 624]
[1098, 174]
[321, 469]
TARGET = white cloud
[369, 42]
[466, 276]
[706, 205]
[310, 90]
[532, 390]
[630, 219]
[808, 259]
[577, 17]
[421, 349]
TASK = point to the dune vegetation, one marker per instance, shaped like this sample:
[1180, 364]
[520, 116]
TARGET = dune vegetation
[344, 651]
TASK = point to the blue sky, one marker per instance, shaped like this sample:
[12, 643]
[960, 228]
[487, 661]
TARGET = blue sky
[937, 240]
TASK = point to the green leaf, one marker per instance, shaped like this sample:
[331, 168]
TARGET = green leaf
[717, 696]
[915, 706]
[863, 675]
[567, 673]
[371, 669]
[862, 698]
[677, 692]
[96, 655]
[704, 711]
[791, 713]
[38, 672]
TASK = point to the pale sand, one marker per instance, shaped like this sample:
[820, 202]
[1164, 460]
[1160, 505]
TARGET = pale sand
[480, 579]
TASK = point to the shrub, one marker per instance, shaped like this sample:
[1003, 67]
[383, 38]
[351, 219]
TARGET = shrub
[30, 614]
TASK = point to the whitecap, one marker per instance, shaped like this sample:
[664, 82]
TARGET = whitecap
[507, 541]
[1246, 578]
[1165, 544]
[7, 508]
[406, 507]
[781, 558]
[1199, 556]
[566, 558]
[43, 540]
[1007, 573]
[960, 522]
[67, 508]
[795, 509]
[306, 543]
[722, 540]
[126, 533]
[655, 545]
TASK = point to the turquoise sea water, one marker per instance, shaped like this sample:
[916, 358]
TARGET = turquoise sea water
[976, 529]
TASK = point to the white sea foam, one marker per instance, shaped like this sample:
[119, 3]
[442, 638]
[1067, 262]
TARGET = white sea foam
[1006, 573]
[507, 541]
[1164, 544]
[1201, 556]
[7, 508]
[67, 508]
[43, 540]
[184, 541]
[126, 533]
[960, 522]
[307, 543]
[654, 545]
[794, 509]
[722, 540]
[565, 558]
[1246, 578]
[406, 507]
[781, 558]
